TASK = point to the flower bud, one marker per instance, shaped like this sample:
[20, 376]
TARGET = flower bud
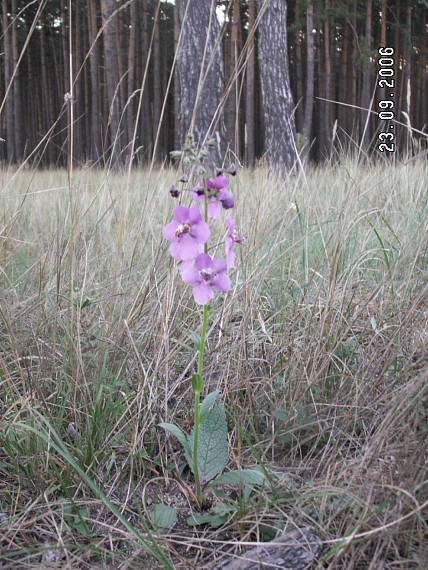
[174, 191]
[232, 170]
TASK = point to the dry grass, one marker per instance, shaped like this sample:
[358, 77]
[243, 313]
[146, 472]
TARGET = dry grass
[319, 351]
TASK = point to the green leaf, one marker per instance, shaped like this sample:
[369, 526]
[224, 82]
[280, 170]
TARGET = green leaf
[207, 404]
[212, 519]
[196, 339]
[163, 517]
[244, 476]
[212, 444]
[179, 435]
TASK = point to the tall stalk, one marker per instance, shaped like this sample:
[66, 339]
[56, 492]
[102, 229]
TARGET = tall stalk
[199, 384]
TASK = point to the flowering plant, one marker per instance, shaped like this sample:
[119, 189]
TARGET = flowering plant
[206, 447]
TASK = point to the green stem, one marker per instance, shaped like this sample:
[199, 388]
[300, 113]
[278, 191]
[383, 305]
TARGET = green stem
[200, 367]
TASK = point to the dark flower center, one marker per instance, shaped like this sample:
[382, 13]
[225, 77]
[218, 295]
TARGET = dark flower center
[182, 229]
[206, 274]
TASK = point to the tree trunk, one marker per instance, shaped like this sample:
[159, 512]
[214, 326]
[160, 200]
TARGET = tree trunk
[19, 148]
[78, 141]
[343, 110]
[383, 41]
[111, 70]
[8, 70]
[198, 109]
[299, 70]
[249, 100]
[327, 93]
[94, 59]
[354, 83]
[146, 112]
[176, 82]
[157, 83]
[131, 73]
[277, 100]
[365, 92]
[232, 109]
[309, 103]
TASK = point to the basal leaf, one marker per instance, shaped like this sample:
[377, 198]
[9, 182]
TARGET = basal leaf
[244, 476]
[212, 444]
[163, 517]
[207, 404]
[176, 431]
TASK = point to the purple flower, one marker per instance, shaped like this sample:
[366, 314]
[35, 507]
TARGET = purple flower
[187, 233]
[231, 239]
[216, 194]
[205, 275]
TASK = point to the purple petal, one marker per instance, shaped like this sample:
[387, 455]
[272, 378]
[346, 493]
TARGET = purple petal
[186, 248]
[201, 232]
[230, 259]
[230, 254]
[230, 223]
[169, 231]
[221, 282]
[189, 273]
[197, 198]
[214, 209]
[202, 294]
[181, 214]
[203, 261]
[218, 182]
[219, 265]
[194, 215]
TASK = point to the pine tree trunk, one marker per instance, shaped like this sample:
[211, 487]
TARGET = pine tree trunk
[277, 100]
[197, 110]
[249, 99]
[383, 41]
[176, 83]
[327, 93]
[157, 83]
[365, 92]
[8, 70]
[78, 142]
[299, 70]
[232, 110]
[19, 148]
[310, 63]
[111, 70]
[130, 100]
[146, 112]
[343, 110]
[354, 73]
[94, 59]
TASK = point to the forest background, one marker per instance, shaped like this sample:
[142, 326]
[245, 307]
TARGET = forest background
[341, 51]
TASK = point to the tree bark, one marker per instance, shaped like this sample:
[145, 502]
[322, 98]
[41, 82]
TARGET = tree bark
[112, 75]
[343, 110]
[232, 110]
[157, 82]
[176, 82]
[365, 92]
[96, 145]
[198, 109]
[327, 93]
[277, 99]
[309, 103]
[249, 99]
[19, 148]
[299, 70]
[8, 69]
[131, 73]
